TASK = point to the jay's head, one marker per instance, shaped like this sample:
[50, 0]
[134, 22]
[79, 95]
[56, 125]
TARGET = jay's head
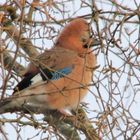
[75, 36]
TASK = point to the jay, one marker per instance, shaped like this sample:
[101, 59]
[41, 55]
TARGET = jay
[58, 78]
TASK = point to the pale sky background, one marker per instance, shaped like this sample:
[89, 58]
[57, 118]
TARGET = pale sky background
[28, 131]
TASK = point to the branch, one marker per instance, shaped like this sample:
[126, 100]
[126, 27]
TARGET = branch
[6, 60]
[60, 122]
[24, 43]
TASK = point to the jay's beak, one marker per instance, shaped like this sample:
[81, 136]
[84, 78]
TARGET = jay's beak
[92, 42]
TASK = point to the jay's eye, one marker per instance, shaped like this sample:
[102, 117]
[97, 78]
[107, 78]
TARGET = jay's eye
[85, 42]
[86, 46]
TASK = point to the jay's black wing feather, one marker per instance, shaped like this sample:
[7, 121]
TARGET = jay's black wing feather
[42, 75]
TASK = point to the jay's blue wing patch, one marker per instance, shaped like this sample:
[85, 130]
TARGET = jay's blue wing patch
[61, 73]
[42, 75]
[54, 75]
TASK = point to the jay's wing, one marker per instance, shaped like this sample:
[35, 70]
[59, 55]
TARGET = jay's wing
[51, 65]
[42, 75]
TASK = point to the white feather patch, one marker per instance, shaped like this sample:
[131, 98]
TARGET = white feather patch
[36, 78]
